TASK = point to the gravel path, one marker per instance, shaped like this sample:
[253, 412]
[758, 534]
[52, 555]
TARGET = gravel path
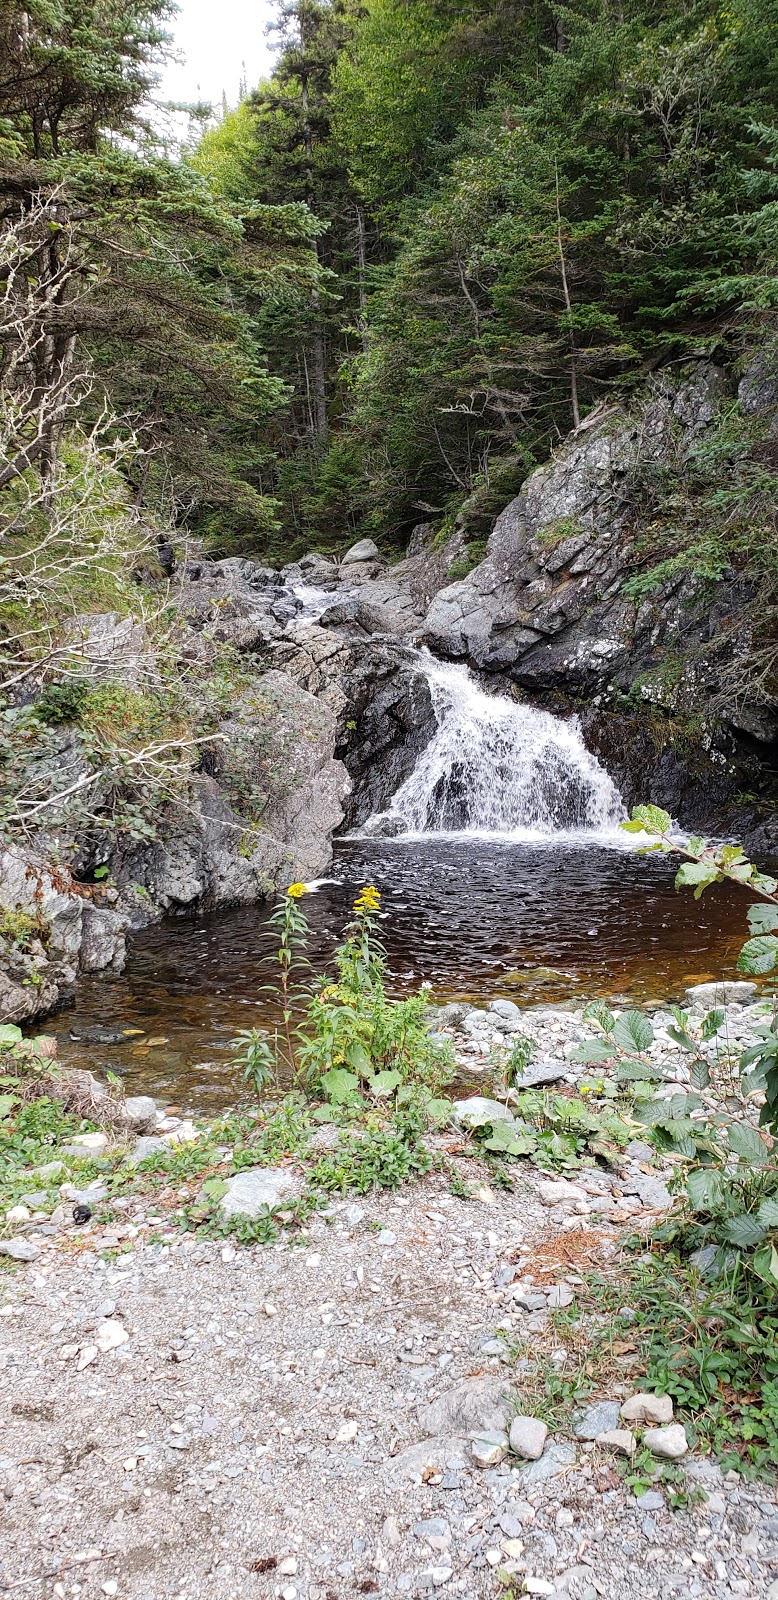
[260, 1430]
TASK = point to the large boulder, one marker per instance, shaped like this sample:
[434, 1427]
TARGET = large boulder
[276, 759]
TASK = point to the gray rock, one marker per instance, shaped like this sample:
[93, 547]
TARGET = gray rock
[758, 387]
[528, 1437]
[555, 1460]
[595, 1419]
[490, 1448]
[430, 1455]
[541, 1072]
[478, 1110]
[638, 1150]
[258, 1189]
[619, 1439]
[51, 1170]
[652, 1193]
[103, 939]
[145, 1147]
[652, 1500]
[363, 550]
[474, 1407]
[19, 1249]
[507, 1009]
[139, 1114]
[721, 994]
[704, 1258]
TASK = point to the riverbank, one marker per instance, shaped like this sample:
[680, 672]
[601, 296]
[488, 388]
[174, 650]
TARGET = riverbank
[286, 1350]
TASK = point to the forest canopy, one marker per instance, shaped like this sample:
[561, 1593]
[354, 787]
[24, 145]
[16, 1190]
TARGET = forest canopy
[431, 242]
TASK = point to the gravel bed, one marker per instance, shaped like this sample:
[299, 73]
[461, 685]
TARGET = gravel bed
[260, 1431]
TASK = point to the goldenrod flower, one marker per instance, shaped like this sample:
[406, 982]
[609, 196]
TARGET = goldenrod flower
[368, 899]
[296, 891]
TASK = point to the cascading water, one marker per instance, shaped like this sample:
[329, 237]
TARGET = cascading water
[496, 766]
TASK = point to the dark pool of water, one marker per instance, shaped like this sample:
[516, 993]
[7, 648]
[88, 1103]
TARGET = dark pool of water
[475, 918]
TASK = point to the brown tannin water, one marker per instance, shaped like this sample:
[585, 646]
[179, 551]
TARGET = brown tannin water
[537, 922]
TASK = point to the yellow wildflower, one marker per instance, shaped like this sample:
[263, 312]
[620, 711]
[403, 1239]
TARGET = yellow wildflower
[368, 899]
[296, 891]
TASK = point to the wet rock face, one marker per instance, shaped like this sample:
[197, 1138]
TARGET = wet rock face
[381, 701]
[387, 721]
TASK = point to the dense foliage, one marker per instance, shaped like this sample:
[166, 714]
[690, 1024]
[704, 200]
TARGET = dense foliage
[429, 243]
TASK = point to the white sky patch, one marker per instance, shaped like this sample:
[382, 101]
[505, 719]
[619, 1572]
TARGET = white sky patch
[220, 43]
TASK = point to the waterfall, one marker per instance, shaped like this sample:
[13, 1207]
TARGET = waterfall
[495, 766]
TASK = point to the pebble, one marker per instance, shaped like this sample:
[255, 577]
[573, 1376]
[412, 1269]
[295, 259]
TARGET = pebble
[669, 1443]
[490, 1448]
[618, 1439]
[652, 1500]
[527, 1437]
[656, 1408]
[598, 1418]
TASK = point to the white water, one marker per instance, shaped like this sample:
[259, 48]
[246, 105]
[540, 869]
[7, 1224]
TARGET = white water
[495, 766]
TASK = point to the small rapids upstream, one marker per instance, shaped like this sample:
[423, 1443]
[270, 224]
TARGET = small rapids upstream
[495, 766]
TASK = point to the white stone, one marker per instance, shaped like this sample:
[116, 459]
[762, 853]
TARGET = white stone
[527, 1437]
[655, 1408]
[89, 1353]
[553, 1193]
[618, 1439]
[288, 1566]
[259, 1189]
[346, 1432]
[537, 1586]
[490, 1448]
[91, 1141]
[17, 1214]
[668, 1443]
[109, 1335]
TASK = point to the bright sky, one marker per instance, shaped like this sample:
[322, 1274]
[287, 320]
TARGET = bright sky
[215, 38]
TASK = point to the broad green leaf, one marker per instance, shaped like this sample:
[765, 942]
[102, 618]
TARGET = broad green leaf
[385, 1083]
[682, 1038]
[697, 875]
[438, 1109]
[747, 1144]
[9, 1033]
[763, 918]
[340, 1086]
[598, 1012]
[699, 1073]
[706, 1189]
[592, 1050]
[7, 1103]
[758, 955]
[214, 1188]
[768, 1213]
[633, 1031]
[730, 853]
[696, 845]
[358, 1058]
[744, 1230]
[766, 884]
[711, 1024]
[638, 1072]
[765, 1264]
[510, 1140]
[652, 819]
[684, 1144]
